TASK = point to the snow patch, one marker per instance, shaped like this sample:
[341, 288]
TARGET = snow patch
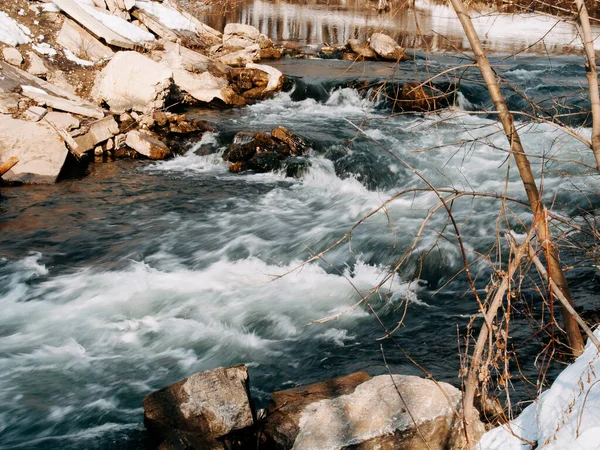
[11, 32]
[71, 57]
[44, 49]
[166, 16]
[566, 416]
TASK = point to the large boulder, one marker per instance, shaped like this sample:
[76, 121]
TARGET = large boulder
[387, 48]
[131, 81]
[385, 412]
[41, 152]
[199, 411]
[203, 79]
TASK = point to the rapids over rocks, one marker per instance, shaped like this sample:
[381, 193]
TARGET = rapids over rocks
[141, 273]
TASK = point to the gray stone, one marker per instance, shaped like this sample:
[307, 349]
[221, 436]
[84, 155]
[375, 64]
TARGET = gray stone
[12, 56]
[40, 150]
[147, 144]
[207, 405]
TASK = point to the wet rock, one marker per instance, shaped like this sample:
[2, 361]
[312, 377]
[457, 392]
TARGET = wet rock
[350, 56]
[132, 81]
[36, 65]
[256, 81]
[147, 144]
[179, 124]
[12, 56]
[367, 413]
[296, 144]
[387, 48]
[296, 167]
[206, 407]
[41, 152]
[264, 162]
[416, 97]
[362, 48]
[270, 53]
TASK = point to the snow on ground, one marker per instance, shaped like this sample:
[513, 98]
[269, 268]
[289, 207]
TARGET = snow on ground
[11, 32]
[71, 57]
[167, 16]
[566, 416]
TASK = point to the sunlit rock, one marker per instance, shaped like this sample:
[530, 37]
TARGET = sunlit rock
[147, 144]
[41, 151]
[206, 407]
[357, 411]
[362, 48]
[387, 48]
[131, 81]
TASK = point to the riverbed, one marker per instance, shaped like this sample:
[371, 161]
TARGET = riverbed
[128, 279]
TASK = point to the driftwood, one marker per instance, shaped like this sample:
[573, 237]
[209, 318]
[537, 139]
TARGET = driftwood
[7, 165]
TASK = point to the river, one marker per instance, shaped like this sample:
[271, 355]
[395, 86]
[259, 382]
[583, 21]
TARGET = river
[128, 279]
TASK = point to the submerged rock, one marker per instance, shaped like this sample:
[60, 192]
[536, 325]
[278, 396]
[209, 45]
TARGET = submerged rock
[202, 411]
[418, 97]
[264, 152]
[358, 411]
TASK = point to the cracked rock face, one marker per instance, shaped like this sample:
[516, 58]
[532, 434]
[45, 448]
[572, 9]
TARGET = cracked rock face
[132, 81]
[209, 405]
[358, 412]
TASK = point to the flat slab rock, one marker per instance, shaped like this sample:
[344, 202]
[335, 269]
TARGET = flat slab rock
[360, 412]
[41, 152]
[208, 405]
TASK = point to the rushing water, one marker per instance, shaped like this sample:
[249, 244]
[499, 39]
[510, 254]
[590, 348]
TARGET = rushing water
[141, 273]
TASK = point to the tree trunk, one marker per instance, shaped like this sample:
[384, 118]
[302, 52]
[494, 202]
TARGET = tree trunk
[540, 220]
[592, 75]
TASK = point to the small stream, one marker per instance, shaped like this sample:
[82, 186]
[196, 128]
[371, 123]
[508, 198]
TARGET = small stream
[141, 273]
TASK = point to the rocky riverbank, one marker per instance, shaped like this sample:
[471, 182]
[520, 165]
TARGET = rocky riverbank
[86, 80]
[214, 410]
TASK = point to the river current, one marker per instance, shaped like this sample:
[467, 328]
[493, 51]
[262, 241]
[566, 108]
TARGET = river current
[141, 273]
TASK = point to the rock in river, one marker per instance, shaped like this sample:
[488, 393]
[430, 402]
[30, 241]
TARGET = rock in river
[199, 412]
[360, 412]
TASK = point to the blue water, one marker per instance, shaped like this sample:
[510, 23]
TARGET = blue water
[141, 273]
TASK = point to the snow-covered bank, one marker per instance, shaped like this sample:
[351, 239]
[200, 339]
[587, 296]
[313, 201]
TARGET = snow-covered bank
[566, 416]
